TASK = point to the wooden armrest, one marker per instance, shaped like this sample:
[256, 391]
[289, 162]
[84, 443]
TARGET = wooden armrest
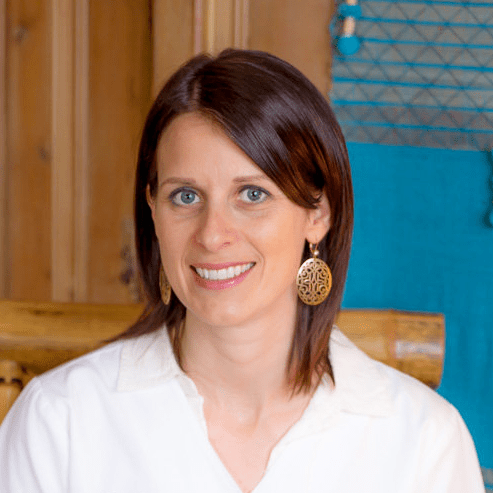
[409, 341]
[40, 336]
[11, 383]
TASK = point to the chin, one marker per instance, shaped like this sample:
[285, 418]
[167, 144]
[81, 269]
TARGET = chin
[230, 318]
[219, 314]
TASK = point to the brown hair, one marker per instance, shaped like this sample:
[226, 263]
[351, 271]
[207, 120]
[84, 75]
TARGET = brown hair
[283, 123]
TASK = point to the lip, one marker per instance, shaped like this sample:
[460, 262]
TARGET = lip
[218, 284]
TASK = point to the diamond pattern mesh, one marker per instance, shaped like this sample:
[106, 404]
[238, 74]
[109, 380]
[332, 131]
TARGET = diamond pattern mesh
[423, 75]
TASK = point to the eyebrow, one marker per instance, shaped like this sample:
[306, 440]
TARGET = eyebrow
[178, 181]
[191, 182]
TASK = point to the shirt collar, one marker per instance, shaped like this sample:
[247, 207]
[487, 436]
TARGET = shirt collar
[361, 384]
[147, 361]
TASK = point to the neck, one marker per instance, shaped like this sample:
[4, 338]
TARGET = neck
[244, 363]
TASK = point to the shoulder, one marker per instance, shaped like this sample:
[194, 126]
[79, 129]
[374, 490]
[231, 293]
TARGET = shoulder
[434, 433]
[371, 387]
[80, 391]
[50, 397]
[110, 367]
[426, 415]
[98, 377]
[404, 420]
[99, 367]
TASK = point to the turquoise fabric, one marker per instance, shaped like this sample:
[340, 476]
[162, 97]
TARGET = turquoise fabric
[421, 242]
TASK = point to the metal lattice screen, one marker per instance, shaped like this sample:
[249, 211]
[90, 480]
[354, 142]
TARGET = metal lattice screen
[422, 76]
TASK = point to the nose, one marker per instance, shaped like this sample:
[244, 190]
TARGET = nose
[216, 229]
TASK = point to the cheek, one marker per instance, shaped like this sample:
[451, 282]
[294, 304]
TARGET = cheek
[285, 237]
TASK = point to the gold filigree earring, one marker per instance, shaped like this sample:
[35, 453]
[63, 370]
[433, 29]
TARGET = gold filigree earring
[314, 279]
[164, 286]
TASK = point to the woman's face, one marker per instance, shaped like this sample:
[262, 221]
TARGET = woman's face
[230, 240]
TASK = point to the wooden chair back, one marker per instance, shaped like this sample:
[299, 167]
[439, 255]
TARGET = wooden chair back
[35, 337]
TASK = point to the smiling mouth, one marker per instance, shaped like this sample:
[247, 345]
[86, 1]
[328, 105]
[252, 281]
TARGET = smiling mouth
[223, 274]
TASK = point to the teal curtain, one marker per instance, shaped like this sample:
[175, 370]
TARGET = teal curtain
[422, 242]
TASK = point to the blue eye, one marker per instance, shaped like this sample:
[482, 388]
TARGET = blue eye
[184, 197]
[254, 194]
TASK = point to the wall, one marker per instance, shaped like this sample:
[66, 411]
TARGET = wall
[76, 81]
[421, 242]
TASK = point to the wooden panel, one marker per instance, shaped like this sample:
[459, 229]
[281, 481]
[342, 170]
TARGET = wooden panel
[296, 31]
[119, 97]
[220, 24]
[81, 152]
[62, 170]
[183, 29]
[241, 23]
[3, 150]
[29, 149]
[173, 37]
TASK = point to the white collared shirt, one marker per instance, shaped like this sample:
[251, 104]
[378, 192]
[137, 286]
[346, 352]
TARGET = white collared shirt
[125, 418]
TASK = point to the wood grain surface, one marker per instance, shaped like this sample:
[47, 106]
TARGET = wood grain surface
[42, 335]
[29, 111]
[297, 32]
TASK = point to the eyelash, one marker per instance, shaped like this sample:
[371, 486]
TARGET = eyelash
[176, 193]
[265, 194]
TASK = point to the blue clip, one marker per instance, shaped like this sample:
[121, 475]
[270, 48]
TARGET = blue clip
[346, 10]
[347, 45]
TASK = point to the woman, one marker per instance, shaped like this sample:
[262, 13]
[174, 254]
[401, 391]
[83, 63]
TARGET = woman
[226, 383]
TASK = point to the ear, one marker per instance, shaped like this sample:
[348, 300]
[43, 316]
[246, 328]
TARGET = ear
[150, 201]
[319, 221]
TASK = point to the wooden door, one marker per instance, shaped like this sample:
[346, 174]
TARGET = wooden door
[75, 88]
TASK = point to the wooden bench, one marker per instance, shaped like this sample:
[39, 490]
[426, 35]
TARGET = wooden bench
[35, 337]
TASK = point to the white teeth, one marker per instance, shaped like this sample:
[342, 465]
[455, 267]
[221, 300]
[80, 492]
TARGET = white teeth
[222, 274]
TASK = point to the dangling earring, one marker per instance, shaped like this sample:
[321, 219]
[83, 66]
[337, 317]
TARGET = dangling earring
[314, 279]
[164, 286]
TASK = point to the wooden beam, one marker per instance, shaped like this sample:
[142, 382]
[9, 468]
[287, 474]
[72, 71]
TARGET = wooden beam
[81, 150]
[297, 31]
[183, 29]
[173, 42]
[62, 177]
[42, 335]
[241, 27]
[3, 150]
[412, 342]
[220, 24]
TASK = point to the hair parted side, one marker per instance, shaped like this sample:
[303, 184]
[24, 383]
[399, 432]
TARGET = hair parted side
[283, 123]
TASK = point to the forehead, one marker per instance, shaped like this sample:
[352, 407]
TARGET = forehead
[196, 144]
[188, 126]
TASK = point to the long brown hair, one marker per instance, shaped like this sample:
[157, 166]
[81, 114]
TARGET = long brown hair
[283, 123]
